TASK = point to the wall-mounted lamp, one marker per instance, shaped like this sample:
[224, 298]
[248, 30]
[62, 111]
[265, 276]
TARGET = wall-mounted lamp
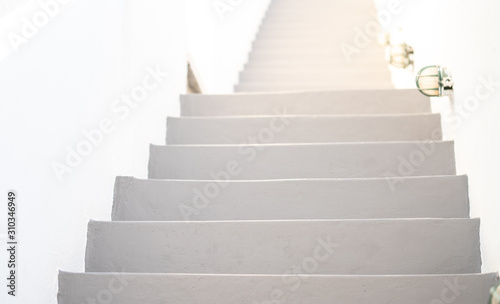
[435, 81]
[400, 55]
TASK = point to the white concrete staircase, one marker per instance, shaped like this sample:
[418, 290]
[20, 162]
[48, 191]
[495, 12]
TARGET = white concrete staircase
[342, 194]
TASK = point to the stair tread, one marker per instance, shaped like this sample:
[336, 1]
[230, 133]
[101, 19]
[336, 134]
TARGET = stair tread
[319, 160]
[402, 197]
[388, 246]
[230, 289]
[307, 103]
[303, 129]
[297, 87]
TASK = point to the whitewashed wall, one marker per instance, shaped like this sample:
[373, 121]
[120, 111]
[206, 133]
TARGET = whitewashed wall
[220, 35]
[64, 81]
[464, 36]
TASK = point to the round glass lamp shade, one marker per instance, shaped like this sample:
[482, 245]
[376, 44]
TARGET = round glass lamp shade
[495, 295]
[400, 55]
[434, 81]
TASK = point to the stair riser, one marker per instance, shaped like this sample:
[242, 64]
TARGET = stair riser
[323, 41]
[310, 103]
[338, 75]
[429, 197]
[316, 25]
[321, 247]
[315, 35]
[350, 37]
[311, 47]
[294, 129]
[184, 289]
[327, 17]
[288, 49]
[313, 71]
[301, 87]
[321, 23]
[384, 78]
[336, 58]
[250, 162]
[296, 66]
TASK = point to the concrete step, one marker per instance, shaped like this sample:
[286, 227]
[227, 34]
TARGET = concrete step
[320, 27]
[325, 25]
[376, 247]
[383, 78]
[332, 55]
[336, 58]
[312, 46]
[332, 76]
[332, 21]
[329, 41]
[290, 13]
[307, 103]
[401, 197]
[284, 161]
[316, 25]
[329, 18]
[293, 289]
[347, 37]
[349, 84]
[323, 34]
[304, 67]
[302, 129]
[314, 71]
[318, 7]
[313, 3]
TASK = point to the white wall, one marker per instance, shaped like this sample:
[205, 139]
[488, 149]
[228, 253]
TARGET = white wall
[219, 40]
[63, 81]
[464, 36]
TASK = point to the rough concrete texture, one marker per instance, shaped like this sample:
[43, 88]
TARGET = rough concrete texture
[356, 102]
[293, 289]
[343, 160]
[384, 247]
[303, 129]
[402, 197]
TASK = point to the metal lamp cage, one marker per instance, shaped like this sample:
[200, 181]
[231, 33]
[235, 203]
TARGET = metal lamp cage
[401, 55]
[434, 81]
